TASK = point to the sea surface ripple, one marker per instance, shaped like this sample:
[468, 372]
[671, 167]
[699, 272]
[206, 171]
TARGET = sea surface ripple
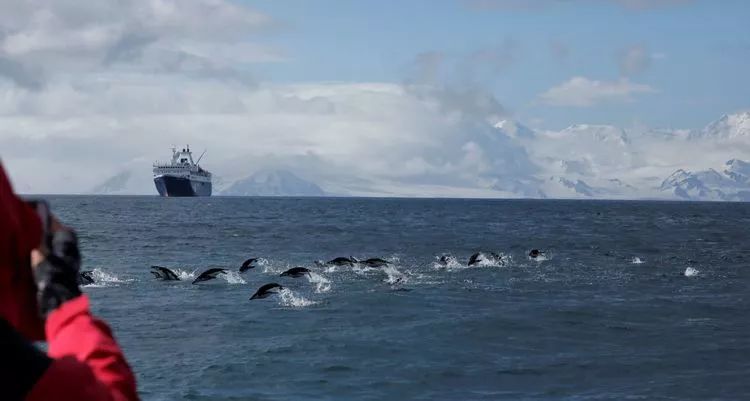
[634, 300]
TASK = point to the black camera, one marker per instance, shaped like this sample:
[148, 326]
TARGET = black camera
[45, 216]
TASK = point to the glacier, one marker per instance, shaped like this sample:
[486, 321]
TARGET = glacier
[507, 159]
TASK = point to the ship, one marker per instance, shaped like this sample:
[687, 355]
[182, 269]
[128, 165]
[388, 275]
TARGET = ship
[182, 176]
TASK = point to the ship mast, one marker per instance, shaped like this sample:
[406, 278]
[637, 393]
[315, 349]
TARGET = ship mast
[199, 159]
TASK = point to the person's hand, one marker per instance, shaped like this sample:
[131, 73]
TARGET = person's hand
[56, 266]
[38, 254]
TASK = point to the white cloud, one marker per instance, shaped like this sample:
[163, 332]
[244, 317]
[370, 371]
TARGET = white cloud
[46, 40]
[89, 90]
[366, 139]
[584, 92]
[393, 136]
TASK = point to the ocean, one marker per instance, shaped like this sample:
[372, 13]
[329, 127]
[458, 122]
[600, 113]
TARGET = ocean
[631, 300]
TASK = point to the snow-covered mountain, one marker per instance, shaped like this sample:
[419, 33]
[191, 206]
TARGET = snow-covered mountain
[509, 159]
[262, 183]
[562, 187]
[596, 133]
[115, 184]
[601, 161]
[738, 170]
[582, 152]
[525, 188]
[130, 181]
[729, 185]
[689, 186]
[730, 127]
[273, 183]
[578, 187]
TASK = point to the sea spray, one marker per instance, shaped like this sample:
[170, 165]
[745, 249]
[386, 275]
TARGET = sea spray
[490, 260]
[359, 269]
[232, 277]
[184, 274]
[449, 262]
[321, 283]
[105, 279]
[393, 275]
[287, 297]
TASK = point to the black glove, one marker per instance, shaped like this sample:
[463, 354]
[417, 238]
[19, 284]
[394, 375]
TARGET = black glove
[57, 276]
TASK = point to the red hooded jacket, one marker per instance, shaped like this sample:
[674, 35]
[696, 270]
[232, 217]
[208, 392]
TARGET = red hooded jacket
[87, 362]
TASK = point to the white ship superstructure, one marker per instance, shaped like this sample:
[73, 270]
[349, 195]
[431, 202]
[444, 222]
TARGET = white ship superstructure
[182, 176]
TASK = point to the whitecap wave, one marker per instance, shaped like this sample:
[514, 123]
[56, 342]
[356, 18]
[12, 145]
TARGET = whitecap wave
[287, 297]
[321, 283]
[636, 260]
[691, 272]
[541, 258]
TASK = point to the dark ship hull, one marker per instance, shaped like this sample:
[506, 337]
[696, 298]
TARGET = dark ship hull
[178, 186]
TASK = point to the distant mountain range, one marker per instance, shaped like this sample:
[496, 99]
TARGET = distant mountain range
[602, 161]
[583, 161]
[273, 183]
[261, 183]
[731, 184]
[115, 185]
[728, 127]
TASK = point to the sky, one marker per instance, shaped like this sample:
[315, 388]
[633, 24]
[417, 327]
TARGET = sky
[367, 97]
[661, 63]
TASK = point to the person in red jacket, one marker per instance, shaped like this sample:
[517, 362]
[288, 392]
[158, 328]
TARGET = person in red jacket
[40, 300]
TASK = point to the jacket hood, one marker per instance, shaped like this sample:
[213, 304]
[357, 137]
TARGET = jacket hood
[20, 232]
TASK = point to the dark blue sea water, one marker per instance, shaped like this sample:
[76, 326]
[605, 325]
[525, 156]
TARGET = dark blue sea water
[586, 324]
